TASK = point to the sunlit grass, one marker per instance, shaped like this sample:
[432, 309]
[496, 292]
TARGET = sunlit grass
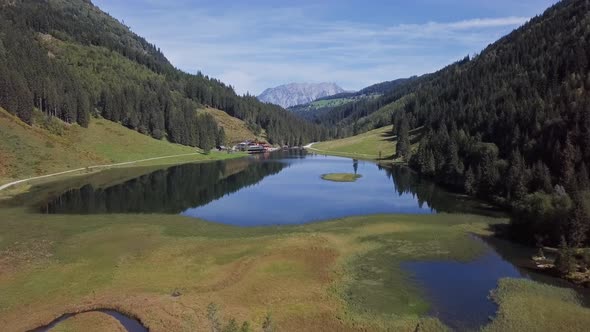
[369, 145]
[342, 274]
[378, 144]
[529, 306]
[236, 130]
[27, 151]
[314, 273]
[341, 177]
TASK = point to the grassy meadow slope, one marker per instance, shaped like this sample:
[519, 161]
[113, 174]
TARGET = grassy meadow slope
[100, 68]
[369, 145]
[236, 130]
[27, 151]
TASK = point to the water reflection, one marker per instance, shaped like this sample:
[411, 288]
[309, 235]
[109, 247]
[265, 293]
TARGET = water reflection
[279, 188]
[165, 191]
[428, 193]
[458, 291]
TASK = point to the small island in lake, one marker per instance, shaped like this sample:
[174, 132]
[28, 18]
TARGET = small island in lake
[341, 177]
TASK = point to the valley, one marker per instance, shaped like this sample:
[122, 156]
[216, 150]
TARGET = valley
[344, 274]
[453, 200]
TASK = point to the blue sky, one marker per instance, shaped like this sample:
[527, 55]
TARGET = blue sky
[253, 45]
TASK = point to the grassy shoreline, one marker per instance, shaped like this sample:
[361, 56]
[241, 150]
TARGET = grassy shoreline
[335, 275]
[316, 276]
[377, 145]
[372, 145]
[55, 263]
[152, 163]
[50, 147]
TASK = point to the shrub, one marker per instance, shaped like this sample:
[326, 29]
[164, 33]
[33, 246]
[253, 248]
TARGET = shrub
[565, 262]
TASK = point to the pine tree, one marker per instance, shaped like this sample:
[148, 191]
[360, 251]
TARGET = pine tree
[516, 181]
[430, 163]
[579, 224]
[489, 176]
[403, 139]
[541, 178]
[470, 182]
[565, 262]
[220, 139]
[453, 168]
[568, 157]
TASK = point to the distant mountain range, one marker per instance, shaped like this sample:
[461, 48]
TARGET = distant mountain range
[298, 93]
[323, 104]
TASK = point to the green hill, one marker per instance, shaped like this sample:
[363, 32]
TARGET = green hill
[235, 129]
[72, 61]
[54, 146]
[375, 144]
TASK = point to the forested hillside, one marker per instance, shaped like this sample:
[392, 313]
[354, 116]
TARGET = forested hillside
[512, 124]
[329, 109]
[352, 118]
[72, 61]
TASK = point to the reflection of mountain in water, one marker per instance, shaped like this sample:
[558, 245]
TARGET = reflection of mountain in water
[407, 181]
[166, 191]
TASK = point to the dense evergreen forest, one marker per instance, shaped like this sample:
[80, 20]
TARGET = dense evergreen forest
[511, 124]
[57, 57]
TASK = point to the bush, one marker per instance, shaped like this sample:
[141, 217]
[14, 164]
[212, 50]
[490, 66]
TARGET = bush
[158, 134]
[232, 326]
[53, 125]
[541, 214]
[565, 262]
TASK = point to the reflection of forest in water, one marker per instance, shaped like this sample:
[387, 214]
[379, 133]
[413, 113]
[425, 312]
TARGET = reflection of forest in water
[178, 188]
[407, 181]
[172, 190]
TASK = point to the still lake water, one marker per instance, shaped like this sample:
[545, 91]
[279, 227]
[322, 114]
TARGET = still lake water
[286, 188]
[458, 291]
[277, 189]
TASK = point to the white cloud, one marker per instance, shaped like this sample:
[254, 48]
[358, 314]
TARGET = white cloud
[488, 22]
[256, 49]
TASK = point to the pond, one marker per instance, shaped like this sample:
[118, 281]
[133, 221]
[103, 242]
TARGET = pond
[281, 188]
[130, 324]
[457, 290]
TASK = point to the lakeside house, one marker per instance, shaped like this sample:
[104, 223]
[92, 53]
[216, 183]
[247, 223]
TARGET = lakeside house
[254, 146]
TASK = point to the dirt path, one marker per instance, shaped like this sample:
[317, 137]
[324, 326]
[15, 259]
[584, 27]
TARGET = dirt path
[5, 186]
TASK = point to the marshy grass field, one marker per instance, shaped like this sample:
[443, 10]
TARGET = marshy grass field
[339, 275]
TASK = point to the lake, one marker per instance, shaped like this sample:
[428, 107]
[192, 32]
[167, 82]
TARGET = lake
[286, 188]
[277, 189]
